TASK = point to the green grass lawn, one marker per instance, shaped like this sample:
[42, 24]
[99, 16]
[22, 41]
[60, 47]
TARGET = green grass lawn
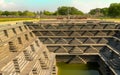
[20, 19]
[14, 19]
[111, 19]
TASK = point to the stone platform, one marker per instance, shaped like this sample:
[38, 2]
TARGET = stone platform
[34, 48]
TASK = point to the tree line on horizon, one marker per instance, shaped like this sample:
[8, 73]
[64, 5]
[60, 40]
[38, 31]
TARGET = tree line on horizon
[17, 13]
[64, 10]
[112, 11]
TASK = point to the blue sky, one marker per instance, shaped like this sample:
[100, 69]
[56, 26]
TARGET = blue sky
[52, 5]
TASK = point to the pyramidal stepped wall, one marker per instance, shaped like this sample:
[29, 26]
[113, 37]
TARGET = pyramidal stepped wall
[22, 53]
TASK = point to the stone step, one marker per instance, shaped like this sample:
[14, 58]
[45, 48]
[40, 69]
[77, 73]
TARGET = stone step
[4, 54]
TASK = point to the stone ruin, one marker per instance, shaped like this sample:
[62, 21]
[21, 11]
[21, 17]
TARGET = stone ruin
[22, 53]
[34, 48]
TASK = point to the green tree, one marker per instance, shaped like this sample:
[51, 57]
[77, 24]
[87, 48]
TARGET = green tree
[6, 13]
[47, 12]
[94, 11]
[41, 12]
[64, 10]
[0, 12]
[99, 12]
[114, 10]
[15, 13]
[28, 13]
[74, 11]
[56, 13]
[104, 11]
[20, 13]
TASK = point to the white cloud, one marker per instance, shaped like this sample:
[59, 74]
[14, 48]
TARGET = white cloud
[86, 6]
[7, 5]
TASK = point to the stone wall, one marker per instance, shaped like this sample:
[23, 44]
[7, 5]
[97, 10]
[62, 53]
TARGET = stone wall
[22, 53]
[76, 37]
[77, 58]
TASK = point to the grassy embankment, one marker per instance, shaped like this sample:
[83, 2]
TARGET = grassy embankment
[15, 19]
[111, 19]
[22, 19]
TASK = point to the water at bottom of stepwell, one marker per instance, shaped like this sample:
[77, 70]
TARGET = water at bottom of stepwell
[77, 69]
